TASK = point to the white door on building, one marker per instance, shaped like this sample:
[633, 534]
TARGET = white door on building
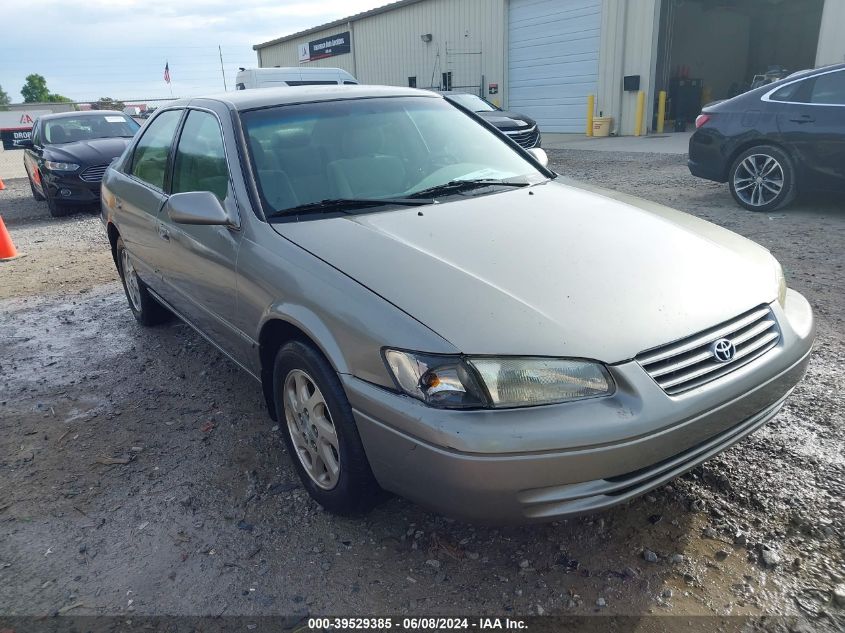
[553, 60]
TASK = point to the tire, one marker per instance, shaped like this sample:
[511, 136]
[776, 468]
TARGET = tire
[56, 210]
[146, 310]
[353, 488]
[762, 178]
[35, 194]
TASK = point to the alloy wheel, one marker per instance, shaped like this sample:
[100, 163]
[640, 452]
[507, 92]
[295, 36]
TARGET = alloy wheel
[130, 278]
[758, 179]
[311, 429]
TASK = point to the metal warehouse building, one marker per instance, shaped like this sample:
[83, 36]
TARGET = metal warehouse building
[544, 57]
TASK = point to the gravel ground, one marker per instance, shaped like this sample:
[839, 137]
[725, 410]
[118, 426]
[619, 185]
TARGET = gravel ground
[139, 472]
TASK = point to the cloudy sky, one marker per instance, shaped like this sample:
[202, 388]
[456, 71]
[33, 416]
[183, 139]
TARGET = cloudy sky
[108, 48]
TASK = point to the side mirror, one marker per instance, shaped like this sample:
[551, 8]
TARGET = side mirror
[196, 207]
[24, 143]
[540, 156]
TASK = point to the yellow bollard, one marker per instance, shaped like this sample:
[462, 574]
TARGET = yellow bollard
[638, 124]
[661, 110]
[591, 108]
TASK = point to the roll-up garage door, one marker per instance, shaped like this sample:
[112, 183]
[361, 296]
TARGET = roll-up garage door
[553, 60]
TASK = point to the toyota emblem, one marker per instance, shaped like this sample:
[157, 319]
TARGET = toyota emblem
[723, 350]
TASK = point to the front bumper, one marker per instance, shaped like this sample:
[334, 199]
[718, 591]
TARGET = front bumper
[542, 463]
[69, 188]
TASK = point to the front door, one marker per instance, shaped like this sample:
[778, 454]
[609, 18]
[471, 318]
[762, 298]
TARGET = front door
[200, 262]
[139, 192]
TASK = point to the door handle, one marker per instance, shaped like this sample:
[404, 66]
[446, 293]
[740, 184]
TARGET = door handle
[804, 118]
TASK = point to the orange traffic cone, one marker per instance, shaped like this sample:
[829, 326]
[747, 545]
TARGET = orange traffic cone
[7, 247]
[2, 186]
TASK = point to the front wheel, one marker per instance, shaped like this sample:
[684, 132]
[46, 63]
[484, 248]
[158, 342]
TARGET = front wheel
[320, 431]
[35, 193]
[145, 309]
[763, 179]
[56, 210]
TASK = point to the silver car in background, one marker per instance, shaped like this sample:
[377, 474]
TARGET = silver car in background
[432, 312]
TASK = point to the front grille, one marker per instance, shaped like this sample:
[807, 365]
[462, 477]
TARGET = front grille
[94, 174]
[691, 362]
[525, 138]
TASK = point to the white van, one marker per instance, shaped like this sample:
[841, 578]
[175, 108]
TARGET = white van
[291, 76]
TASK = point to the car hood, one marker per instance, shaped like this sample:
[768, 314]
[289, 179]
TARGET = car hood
[96, 151]
[554, 270]
[505, 120]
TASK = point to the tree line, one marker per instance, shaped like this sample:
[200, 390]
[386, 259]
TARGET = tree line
[35, 90]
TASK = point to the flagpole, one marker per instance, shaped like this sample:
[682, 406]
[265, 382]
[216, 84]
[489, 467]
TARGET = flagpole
[222, 70]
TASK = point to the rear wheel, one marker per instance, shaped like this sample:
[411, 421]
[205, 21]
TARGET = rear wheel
[145, 309]
[763, 179]
[320, 431]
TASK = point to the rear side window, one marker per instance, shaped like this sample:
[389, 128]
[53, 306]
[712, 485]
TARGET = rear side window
[829, 89]
[149, 162]
[200, 163]
[789, 93]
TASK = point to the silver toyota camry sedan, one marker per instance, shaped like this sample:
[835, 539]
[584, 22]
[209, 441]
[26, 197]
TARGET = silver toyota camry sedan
[431, 311]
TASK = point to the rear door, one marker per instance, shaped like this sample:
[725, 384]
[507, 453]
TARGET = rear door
[199, 263]
[812, 121]
[139, 194]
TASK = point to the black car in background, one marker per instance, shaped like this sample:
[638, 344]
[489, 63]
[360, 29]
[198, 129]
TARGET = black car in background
[68, 154]
[776, 140]
[518, 127]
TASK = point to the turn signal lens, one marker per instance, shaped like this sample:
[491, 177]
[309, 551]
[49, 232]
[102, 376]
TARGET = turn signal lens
[782, 286]
[439, 381]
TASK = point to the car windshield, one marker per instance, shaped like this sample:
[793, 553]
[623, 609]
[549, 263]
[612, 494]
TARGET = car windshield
[472, 102]
[370, 149]
[87, 127]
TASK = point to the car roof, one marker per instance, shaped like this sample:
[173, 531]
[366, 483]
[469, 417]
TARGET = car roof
[756, 93]
[807, 72]
[78, 113]
[265, 97]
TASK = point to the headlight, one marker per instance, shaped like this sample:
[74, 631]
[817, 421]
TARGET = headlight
[54, 166]
[781, 277]
[455, 382]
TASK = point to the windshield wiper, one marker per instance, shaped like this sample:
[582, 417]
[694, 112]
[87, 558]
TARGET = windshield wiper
[456, 186]
[346, 204]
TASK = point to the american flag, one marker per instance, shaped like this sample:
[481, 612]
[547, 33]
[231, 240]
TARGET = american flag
[167, 72]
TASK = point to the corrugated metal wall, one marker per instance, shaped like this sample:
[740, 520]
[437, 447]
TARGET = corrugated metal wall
[831, 49]
[467, 39]
[629, 47]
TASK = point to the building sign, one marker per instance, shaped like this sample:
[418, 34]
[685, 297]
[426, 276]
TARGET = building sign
[493, 89]
[17, 126]
[330, 46]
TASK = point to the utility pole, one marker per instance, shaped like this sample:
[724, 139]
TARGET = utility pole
[220, 50]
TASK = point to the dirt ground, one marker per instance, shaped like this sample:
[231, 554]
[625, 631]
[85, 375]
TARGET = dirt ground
[139, 472]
